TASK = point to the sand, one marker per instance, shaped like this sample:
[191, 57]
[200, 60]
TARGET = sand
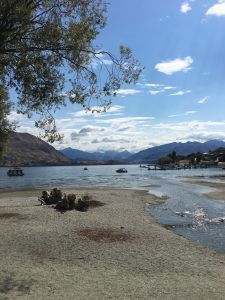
[115, 251]
[218, 188]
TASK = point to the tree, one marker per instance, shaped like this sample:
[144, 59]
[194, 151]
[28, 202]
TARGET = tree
[195, 158]
[48, 56]
[5, 126]
[165, 160]
[173, 156]
[198, 157]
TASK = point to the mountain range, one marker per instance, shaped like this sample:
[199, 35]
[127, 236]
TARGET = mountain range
[24, 149]
[153, 154]
[149, 155]
[78, 155]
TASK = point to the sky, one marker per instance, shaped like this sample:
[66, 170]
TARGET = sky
[180, 95]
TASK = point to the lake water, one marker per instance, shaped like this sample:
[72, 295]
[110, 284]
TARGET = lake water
[187, 211]
[75, 176]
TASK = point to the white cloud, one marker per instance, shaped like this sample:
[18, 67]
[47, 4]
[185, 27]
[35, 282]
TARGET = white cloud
[180, 93]
[115, 133]
[156, 88]
[125, 120]
[185, 7]
[156, 92]
[169, 87]
[100, 59]
[126, 128]
[126, 92]
[217, 10]
[15, 117]
[154, 85]
[177, 65]
[86, 131]
[110, 139]
[115, 108]
[187, 113]
[112, 110]
[190, 112]
[69, 123]
[205, 136]
[203, 100]
[124, 132]
[187, 126]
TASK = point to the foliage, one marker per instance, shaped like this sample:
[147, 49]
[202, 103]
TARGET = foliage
[195, 158]
[165, 160]
[220, 154]
[171, 158]
[5, 126]
[48, 56]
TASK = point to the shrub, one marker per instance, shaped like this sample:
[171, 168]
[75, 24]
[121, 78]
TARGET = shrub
[65, 202]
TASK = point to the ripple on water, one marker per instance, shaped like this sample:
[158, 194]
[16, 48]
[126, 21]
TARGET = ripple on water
[191, 214]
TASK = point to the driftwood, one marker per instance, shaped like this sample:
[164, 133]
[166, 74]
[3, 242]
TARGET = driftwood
[64, 202]
[50, 197]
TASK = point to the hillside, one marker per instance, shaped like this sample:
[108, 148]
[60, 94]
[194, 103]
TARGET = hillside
[155, 153]
[24, 149]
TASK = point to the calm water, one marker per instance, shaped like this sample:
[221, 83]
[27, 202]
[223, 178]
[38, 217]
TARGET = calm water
[43, 177]
[189, 213]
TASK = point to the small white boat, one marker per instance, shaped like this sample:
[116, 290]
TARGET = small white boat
[16, 171]
[121, 170]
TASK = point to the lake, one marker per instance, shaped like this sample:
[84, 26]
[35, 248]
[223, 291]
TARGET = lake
[72, 176]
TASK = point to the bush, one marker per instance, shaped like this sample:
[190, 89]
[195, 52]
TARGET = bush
[65, 202]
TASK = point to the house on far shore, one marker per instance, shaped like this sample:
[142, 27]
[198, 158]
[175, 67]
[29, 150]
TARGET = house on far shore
[221, 164]
[209, 163]
[184, 162]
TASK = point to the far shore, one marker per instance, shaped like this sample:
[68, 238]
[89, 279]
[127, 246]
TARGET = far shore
[114, 251]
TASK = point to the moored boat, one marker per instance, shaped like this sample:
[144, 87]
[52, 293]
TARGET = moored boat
[16, 171]
[121, 170]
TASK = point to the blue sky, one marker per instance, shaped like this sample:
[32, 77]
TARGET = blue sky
[180, 95]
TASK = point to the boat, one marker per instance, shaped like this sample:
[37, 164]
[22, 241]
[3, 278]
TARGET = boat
[142, 166]
[156, 168]
[121, 170]
[16, 171]
[85, 169]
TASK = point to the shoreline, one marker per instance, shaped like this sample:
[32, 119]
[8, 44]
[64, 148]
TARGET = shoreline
[116, 251]
[218, 188]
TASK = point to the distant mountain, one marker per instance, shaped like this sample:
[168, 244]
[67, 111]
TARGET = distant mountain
[78, 155]
[75, 154]
[154, 153]
[24, 149]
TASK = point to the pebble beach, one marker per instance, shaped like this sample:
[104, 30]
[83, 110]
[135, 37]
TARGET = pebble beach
[112, 251]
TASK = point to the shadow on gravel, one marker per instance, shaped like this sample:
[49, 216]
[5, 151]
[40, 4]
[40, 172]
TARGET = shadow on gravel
[95, 203]
[12, 215]
[105, 235]
[9, 284]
